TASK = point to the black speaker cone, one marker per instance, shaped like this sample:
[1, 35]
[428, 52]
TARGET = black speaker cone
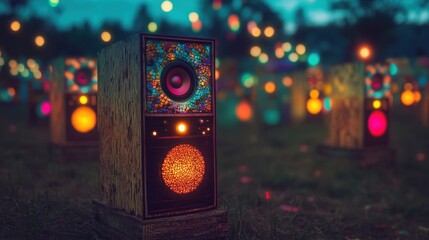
[178, 80]
[83, 76]
[377, 81]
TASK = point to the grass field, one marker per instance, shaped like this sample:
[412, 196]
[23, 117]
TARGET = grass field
[271, 180]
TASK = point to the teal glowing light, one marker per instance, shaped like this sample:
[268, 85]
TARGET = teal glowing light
[313, 59]
[54, 3]
[248, 80]
[327, 104]
[393, 69]
[422, 80]
[378, 94]
[271, 116]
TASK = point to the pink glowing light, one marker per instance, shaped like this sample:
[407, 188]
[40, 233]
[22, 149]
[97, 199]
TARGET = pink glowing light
[377, 123]
[45, 108]
[267, 195]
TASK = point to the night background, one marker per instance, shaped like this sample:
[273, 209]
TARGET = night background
[275, 92]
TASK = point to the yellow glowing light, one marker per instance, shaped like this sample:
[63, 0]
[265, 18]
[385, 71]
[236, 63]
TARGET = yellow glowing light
[300, 49]
[183, 169]
[279, 52]
[364, 52]
[407, 97]
[287, 81]
[314, 106]
[408, 86]
[255, 51]
[314, 93]
[270, 87]
[376, 104]
[83, 99]
[193, 17]
[166, 6]
[83, 119]
[263, 58]
[269, 31]
[181, 128]
[293, 57]
[256, 32]
[154, 133]
[106, 36]
[15, 26]
[40, 41]
[287, 46]
[152, 27]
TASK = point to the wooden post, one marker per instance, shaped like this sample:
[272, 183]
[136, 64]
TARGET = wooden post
[122, 212]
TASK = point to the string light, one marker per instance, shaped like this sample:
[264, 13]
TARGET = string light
[15, 26]
[166, 6]
[39, 41]
[106, 36]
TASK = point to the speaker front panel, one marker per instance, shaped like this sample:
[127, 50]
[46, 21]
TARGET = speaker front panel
[376, 122]
[81, 75]
[81, 117]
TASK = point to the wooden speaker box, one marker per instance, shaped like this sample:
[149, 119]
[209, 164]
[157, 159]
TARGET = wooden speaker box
[157, 134]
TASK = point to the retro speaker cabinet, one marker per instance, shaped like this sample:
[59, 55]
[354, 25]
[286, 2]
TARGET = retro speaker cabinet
[157, 133]
[73, 97]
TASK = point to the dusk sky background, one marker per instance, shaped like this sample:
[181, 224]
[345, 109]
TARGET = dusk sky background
[75, 12]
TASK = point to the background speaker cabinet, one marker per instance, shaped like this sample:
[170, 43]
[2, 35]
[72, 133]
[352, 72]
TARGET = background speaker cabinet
[157, 126]
[74, 102]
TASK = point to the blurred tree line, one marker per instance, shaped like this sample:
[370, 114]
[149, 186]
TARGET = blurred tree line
[371, 21]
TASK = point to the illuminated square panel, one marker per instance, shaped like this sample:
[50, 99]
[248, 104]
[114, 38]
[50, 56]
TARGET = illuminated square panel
[81, 75]
[377, 81]
[160, 55]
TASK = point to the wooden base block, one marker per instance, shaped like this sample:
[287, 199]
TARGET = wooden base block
[74, 152]
[369, 156]
[111, 223]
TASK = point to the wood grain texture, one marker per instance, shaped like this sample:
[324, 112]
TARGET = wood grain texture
[119, 115]
[346, 118]
[298, 97]
[115, 224]
[425, 107]
[57, 99]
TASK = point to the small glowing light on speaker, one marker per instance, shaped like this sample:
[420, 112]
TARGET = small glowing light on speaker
[293, 57]
[83, 119]
[217, 74]
[166, 6]
[255, 51]
[287, 46]
[407, 97]
[314, 93]
[269, 31]
[287, 81]
[152, 27]
[204, 133]
[300, 49]
[154, 133]
[39, 41]
[417, 96]
[327, 104]
[208, 129]
[270, 87]
[193, 17]
[376, 104]
[314, 106]
[364, 52]
[15, 26]
[393, 69]
[45, 108]
[83, 99]
[106, 36]
[181, 128]
[183, 169]
[243, 111]
[377, 123]
[256, 32]
[263, 58]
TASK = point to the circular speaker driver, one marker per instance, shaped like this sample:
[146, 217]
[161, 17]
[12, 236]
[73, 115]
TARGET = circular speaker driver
[377, 81]
[83, 76]
[183, 168]
[178, 80]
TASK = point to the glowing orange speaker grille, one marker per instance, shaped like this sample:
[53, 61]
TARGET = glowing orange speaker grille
[83, 119]
[183, 169]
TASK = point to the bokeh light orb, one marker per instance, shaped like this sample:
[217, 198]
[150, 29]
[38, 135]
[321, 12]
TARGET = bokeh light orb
[243, 111]
[166, 6]
[39, 41]
[183, 169]
[327, 104]
[106, 36]
[270, 87]
[407, 97]
[364, 52]
[314, 106]
[269, 31]
[15, 26]
[377, 123]
[45, 108]
[417, 96]
[271, 116]
[287, 81]
[83, 119]
[152, 27]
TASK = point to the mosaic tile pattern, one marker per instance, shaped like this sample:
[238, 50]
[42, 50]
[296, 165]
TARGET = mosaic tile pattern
[72, 66]
[371, 70]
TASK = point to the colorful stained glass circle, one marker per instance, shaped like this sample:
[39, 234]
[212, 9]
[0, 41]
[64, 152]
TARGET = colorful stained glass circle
[178, 80]
[183, 169]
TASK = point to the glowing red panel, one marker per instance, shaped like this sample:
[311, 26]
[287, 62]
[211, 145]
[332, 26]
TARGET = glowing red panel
[377, 123]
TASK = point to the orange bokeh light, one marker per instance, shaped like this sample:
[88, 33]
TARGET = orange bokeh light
[83, 119]
[287, 81]
[364, 52]
[183, 169]
[314, 106]
[407, 97]
[243, 111]
[270, 87]
[181, 128]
